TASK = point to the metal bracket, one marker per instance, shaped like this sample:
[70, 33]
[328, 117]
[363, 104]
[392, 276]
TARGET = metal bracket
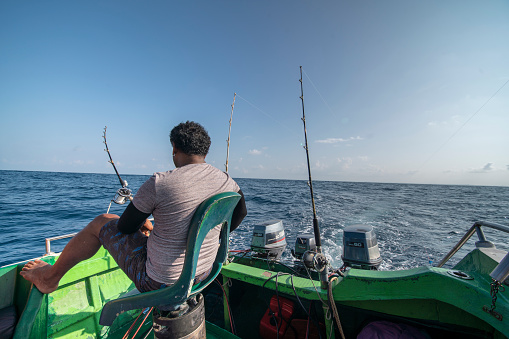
[494, 313]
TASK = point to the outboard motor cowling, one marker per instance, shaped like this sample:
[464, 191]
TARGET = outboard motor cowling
[303, 243]
[269, 239]
[360, 247]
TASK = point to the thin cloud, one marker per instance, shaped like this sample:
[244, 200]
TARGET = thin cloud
[337, 140]
[255, 152]
[454, 120]
[345, 162]
[321, 165]
[486, 168]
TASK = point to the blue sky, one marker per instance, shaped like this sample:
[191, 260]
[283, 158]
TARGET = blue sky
[395, 91]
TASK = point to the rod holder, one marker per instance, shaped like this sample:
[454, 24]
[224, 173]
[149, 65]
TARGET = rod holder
[501, 272]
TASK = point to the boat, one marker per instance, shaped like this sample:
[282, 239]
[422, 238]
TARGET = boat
[259, 297]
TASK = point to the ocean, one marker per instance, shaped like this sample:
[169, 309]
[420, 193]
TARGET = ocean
[415, 224]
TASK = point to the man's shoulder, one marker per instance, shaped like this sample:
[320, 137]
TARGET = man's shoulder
[193, 172]
[188, 171]
[197, 168]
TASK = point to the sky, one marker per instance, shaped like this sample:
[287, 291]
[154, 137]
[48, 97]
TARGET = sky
[394, 91]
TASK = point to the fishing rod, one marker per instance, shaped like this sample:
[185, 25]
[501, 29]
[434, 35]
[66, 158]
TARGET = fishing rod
[123, 193]
[229, 132]
[319, 261]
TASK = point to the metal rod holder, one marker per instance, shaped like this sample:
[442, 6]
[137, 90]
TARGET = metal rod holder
[476, 227]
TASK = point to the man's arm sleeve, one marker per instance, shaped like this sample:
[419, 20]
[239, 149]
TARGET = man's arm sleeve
[239, 212]
[131, 220]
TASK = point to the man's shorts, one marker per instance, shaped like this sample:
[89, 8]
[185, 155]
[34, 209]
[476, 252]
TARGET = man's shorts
[130, 253]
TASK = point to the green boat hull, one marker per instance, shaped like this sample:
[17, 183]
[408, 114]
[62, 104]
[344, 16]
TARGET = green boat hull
[437, 301]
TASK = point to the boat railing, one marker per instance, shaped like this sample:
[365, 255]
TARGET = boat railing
[49, 240]
[70, 235]
[476, 227]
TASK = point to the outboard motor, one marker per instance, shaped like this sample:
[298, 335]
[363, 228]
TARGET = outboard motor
[269, 239]
[303, 243]
[360, 247]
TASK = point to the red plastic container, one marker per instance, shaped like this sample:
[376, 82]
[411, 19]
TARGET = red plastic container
[271, 318]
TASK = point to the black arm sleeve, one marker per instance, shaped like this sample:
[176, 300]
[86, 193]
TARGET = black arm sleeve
[239, 212]
[131, 220]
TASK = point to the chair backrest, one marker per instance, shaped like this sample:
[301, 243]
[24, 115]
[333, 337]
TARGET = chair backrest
[216, 210]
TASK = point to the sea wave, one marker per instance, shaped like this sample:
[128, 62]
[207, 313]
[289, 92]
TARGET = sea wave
[415, 224]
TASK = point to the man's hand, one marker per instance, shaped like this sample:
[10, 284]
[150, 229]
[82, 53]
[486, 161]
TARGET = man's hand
[147, 227]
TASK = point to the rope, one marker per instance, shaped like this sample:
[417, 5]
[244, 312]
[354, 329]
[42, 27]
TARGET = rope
[334, 309]
[148, 313]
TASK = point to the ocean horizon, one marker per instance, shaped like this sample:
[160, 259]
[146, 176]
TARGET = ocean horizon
[416, 224]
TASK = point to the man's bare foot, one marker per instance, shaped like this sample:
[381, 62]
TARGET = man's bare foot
[38, 272]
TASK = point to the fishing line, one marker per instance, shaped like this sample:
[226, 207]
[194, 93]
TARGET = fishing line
[266, 114]
[268, 303]
[232, 325]
[147, 333]
[288, 322]
[461, 127]
[294, 292]
[318, 257]
[144, 319]
[312, 282]
[126, 335]
[282, 264]
[317, 91]
[299, 275]
[317, 324]
[278, 303]
[229, 132]
[123, 194]
[308, 322]
[297, 296]
[123, 183]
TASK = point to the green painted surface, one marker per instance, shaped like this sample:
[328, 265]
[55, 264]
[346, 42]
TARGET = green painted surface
[427, 295]
[8, 277]
[214, 331]
[304, 287]
[73, 310]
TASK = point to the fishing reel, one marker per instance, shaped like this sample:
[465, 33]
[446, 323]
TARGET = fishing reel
[317, 261]
[123, 195]
[314, 260]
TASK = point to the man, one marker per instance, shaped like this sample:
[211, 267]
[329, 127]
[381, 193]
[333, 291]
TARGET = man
[172, 198]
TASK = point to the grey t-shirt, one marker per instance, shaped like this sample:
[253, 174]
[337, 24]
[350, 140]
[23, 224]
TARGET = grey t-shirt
[172, 198]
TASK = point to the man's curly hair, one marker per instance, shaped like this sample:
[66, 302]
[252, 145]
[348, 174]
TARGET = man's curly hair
[191, 138]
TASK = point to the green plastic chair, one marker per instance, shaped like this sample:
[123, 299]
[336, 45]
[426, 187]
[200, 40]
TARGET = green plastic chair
[216, 210]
